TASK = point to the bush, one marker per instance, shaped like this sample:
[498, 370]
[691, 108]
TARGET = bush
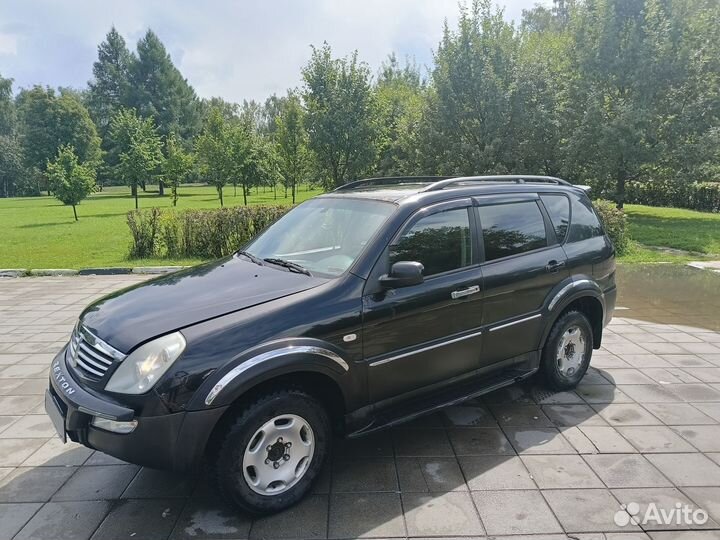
[205, 234]
[703, 196]
[615, 223]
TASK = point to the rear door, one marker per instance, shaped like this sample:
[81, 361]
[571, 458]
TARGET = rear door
[426, 334]
[523, 261]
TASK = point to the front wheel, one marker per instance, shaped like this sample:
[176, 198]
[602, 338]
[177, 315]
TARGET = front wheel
[272, 452]
[567, 352]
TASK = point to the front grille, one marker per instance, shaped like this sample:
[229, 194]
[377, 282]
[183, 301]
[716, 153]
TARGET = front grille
[91, 357]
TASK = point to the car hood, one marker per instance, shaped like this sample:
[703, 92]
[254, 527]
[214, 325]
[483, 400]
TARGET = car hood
[132, 316]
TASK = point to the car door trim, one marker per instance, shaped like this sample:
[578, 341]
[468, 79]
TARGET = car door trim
[565, 289]
[513, 323]
[269, 355]
[425, 349]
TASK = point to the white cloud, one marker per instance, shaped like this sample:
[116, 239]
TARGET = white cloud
[237, 50]
[8, 44]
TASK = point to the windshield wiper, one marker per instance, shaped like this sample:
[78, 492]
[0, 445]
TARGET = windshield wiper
[253, 258]
[293, 267]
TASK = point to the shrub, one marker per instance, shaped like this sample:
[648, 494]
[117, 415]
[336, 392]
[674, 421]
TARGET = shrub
[615, 223]
[703, 196]
[205, 234]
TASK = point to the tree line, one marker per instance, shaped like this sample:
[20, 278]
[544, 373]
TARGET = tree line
[604, 92]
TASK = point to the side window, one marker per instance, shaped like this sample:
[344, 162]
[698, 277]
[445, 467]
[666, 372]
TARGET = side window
[509, 229]
[558, 206]
[585, 223]
[441, 242]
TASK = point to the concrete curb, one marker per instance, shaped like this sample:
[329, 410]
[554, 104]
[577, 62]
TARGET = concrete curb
[143, 270]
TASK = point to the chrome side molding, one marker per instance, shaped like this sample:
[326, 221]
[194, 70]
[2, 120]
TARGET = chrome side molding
[564, 290]
[423, 349]
[513, 323]
[269, 355]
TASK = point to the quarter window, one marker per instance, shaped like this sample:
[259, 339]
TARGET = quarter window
[441, 242]
[509, 229]
[558, 206]
[585, 223]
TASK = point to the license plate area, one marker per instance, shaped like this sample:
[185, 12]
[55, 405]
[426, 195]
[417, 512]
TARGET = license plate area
[55, 412]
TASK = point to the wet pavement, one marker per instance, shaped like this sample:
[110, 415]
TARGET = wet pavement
[643, 428]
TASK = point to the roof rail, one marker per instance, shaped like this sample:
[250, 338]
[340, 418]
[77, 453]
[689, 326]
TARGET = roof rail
[518, 179]
[392, 180]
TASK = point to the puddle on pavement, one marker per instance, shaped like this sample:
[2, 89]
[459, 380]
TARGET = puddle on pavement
[669, 294]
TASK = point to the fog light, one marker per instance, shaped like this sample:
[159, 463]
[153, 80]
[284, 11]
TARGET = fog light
[113, 425]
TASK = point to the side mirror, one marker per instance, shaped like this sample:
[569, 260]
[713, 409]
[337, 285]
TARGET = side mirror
[403, 274]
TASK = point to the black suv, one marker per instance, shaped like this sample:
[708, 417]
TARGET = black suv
[357, 310]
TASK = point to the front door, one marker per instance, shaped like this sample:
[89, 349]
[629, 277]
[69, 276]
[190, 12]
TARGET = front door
[424, 334]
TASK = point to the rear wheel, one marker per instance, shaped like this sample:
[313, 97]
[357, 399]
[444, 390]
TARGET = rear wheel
[273, 450]
[567, 352]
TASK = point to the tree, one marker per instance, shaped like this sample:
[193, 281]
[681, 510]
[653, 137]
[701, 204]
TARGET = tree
[291, 144]
[7, 107]
[159, 91]
[213, 151]
[70, 180]
[341, 114]
[138, 148]
[12, 172]
[48, 121]
[177, 164]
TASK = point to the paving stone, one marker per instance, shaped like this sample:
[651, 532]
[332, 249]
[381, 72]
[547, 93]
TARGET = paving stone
[515, 512]
[99, 458]
[626, 414]
[626, 376]
[14, 516]
[478, 441]
[430, 475]
[155, 484]
[687, 360]
[692, 392]
[33, 485]
[655, 439]
[65, 521]
[366, 515]
[585, 510]
[95, 483]
[7, 421]
[468, 416]
[14, 405]
[495, 472]
[509, 394]
[14, 451]
[440, 514]
[704, 438]
[682, 414]
[685, 535]
[561, 472]
[421, 443]
[374, 445]
[56, 454]
[364, 475]
[626, 470]
[31, 426]
[573, 415]
[538, 441]
[579, 441]
[707, 498]
[647, 360]
[687, 469]
[602, 393]
[140, 519]
[211, 519]
[307, 519]
[650, 393]
[513, 414]
[664, 499]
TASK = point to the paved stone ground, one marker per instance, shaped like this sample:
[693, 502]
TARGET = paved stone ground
[643, 427]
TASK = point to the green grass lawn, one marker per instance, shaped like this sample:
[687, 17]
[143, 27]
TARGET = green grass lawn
[40, 232]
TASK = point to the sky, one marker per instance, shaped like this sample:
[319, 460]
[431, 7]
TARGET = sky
[229, 48]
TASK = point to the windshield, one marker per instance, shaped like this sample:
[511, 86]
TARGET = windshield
[324, 235]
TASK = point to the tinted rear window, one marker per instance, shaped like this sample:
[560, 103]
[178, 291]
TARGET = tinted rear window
[509, 229]
[585, 223]
[558, 207]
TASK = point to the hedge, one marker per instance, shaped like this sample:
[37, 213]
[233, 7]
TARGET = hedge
[206, 234]
[703, 196]
[615, 223]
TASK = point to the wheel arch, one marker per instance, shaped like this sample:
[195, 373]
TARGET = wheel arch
[584, 296]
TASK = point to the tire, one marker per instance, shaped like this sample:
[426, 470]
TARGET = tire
[250, 451]
[567, 352]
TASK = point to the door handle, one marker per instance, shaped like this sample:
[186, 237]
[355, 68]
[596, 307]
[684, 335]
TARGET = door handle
[465, 292]
[554, 266]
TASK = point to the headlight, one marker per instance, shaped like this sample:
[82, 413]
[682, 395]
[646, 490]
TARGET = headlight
[141, 370]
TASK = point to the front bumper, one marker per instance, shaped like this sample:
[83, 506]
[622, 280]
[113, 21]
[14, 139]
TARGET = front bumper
[173, 441]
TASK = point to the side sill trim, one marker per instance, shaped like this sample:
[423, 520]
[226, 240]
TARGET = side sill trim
[565, 289]
[268, 355]
[513, 323]
[423, 349]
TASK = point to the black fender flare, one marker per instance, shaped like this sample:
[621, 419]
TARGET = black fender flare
[564, 294]
[269, 360]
